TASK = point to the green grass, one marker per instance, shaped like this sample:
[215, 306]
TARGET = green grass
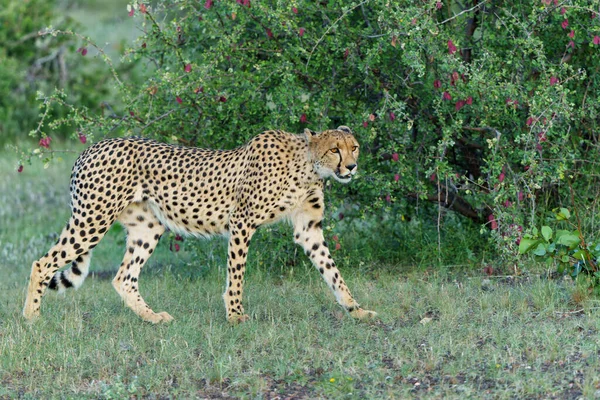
[439, 335]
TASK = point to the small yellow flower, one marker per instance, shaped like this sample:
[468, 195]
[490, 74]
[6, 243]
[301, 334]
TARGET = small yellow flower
[332, 380]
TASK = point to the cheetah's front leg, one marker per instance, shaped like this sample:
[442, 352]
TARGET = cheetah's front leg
[309, 234]
[239, 240]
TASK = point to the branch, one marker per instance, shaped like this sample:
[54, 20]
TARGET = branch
[331, 27]
[455, 203]
[463, 12]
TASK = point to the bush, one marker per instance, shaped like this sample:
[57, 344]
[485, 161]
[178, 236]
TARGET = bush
[488, 110]
[34, 65]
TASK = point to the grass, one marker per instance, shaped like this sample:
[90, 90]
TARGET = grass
[439, 335]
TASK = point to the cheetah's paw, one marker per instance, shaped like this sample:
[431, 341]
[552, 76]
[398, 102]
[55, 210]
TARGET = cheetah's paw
[238, 319]
[158, 318]
[362, 314]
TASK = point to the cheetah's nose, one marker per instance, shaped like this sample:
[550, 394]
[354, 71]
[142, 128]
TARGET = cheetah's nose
[351, 167]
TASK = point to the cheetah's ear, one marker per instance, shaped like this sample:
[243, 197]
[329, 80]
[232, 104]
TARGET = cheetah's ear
[310, 134]
[344, 128]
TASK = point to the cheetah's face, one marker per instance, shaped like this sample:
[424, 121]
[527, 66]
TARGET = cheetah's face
[333, 153]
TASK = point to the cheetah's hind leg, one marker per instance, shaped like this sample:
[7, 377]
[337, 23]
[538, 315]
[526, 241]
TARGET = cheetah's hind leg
[72, 277]
[143, 233]
[70, 248]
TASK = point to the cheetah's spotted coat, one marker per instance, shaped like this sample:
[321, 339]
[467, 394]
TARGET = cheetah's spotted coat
[149, 187]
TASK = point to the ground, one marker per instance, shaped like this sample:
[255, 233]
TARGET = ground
[455, 334]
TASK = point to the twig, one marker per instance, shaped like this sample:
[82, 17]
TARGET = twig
[160, 117]
[463, 12]
[331, 27]
[106, 58]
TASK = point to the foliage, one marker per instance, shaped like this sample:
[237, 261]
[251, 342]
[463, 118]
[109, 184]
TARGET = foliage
[567, 248]
[31, 64]
[484, 108]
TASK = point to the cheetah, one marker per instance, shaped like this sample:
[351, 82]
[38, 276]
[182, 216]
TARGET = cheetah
[149, 187]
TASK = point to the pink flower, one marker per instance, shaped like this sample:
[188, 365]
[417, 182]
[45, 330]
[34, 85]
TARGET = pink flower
[365, 124]
[451, 47]
[45, 142]
[433, 177]
[20, 169]
[563, 11]
[208, 4]
[529, 121]
[501, 177]
[453, 78]
[553, 80]
[82, 138]
[392, 116]
[338, 246]
[199, 90]
[187, 68]
[176, 246]
[493, 222]
[459, 104]
[131, 12]
[82, 50]
[143, 8]
[388, 198]
[179, 99]
[438, 5]
[269, 33]
[346, 53]
[395, 157]
[565, 23]
[437, 84]
[596, 40]
[520, 196]
[469, 100]
[572, 34]
[571, 43]
[335, 238]
[303, 118]
[396, 177]
[294, 10]
[223, 99]
[301, 32]
[447, 96]
[507, 203]
[542, 137]
[178, 238]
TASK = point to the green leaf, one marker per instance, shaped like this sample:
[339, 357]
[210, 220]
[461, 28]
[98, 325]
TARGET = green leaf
[569, 239]
[547, 233]
[527, 244]
[540, 250]
[563, 214]
[580, 254]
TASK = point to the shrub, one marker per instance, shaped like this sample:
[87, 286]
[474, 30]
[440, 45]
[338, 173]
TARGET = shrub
[485, 109]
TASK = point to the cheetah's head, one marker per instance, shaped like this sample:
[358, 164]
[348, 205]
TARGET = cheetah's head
[333, 153]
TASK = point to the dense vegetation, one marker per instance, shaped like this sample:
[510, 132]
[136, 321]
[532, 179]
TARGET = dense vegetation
[478, 123]
[487, 109]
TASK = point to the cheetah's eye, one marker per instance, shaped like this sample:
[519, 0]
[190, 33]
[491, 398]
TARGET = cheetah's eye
[335, 150]
[354, 148]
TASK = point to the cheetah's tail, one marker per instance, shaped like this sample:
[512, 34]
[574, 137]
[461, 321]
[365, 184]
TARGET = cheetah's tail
[72, 277]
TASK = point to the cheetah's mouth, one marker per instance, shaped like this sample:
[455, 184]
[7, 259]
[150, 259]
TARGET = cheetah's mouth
[343, 178]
